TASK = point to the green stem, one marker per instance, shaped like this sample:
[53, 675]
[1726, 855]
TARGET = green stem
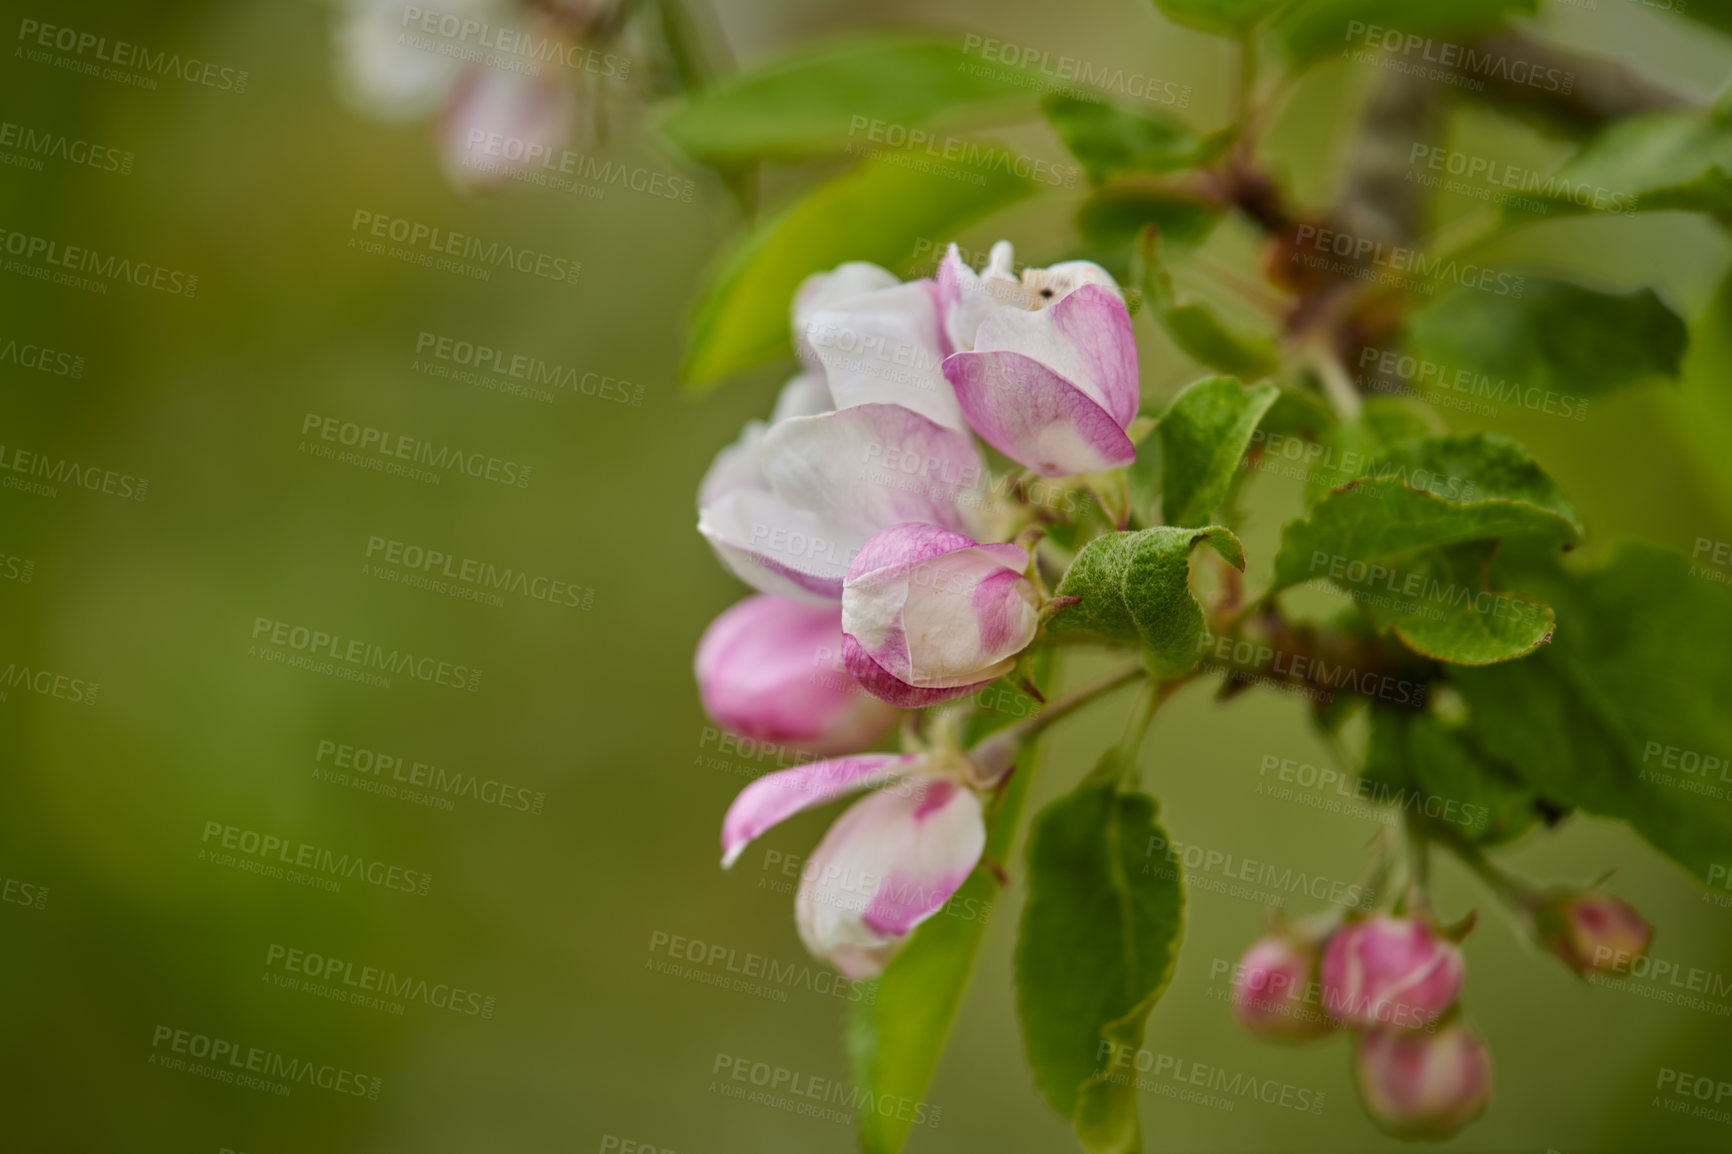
[1122, 766]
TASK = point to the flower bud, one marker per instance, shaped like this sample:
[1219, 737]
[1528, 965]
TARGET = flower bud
[1389, 973]
[1423, 1085]
[1271, 987]
[1591, 931]
[929, 615]
[771, 670]
[499, 124]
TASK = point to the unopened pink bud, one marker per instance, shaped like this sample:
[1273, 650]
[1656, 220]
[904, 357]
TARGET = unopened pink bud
[1592, 931]
[1390, 974]
[1271, 989]
[1423, 1085]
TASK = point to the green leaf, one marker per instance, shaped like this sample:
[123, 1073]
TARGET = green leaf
[1652, 163]
[1110, 140]
[1099, 939]
[1311, 29]
[1196, 328]
[838, 98]
[1437, 774]
[1222, 17]
[1426, 494]
[1136, 588]
[1412, 540]
[1557, 338]
[1124, 206]
[1641, 664]
[874, 213]
[1352, 449]
[896, 1039]
[1204, 433]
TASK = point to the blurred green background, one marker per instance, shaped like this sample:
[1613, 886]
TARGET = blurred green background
[558, 916]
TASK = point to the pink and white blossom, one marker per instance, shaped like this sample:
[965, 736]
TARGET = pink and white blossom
[1045, 367]
[771, 670]
[929, 614]
[887, 864]
[1273, 989]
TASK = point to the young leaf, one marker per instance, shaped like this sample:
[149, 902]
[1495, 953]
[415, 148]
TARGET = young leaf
[1124, 206]
[1099, 939]
[895, 1040]
[1203, 435]
[1136, 588]
[1198, 331]
[1557, 338]
[1354, 448]
[824, 101]
[1222, 17]
[1311, 29]
[1642, 664]
[1653, 163]
[1439, 604]
[1110, 140]
[872, 213]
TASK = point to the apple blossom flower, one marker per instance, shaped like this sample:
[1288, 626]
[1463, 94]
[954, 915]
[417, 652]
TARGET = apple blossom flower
[1423, 1085]
[887, 864]
[1393, 973]
[770, 670]
[1272, 986]
[1045, 367]
[789, 506]
[929, 614]
[1591, 931]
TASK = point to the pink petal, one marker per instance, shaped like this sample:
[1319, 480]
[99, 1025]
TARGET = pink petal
[775, 797]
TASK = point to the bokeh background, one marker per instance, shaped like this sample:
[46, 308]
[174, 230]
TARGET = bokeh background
[555, 915]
